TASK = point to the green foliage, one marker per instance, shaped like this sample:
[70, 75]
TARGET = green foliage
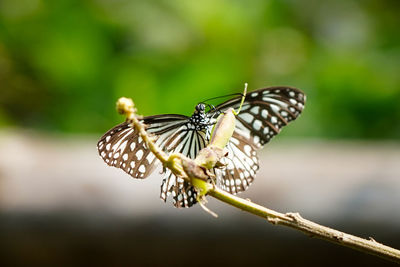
[64, 63]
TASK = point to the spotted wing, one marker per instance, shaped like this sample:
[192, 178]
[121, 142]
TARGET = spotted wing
[241, 165]
[188, 142]
[263, 115]
[122, 147]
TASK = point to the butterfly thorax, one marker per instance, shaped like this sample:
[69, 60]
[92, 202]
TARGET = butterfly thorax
[199, 119]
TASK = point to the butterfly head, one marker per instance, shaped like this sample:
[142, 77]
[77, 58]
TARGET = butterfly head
[200, 108]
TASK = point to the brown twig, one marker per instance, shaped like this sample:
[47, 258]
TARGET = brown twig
[295, 221]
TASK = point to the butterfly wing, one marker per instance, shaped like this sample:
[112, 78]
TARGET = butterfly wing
[122, 147]
[241, 165]
[188, 142]
[263, 114]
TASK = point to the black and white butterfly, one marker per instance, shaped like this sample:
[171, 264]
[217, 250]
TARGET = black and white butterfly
[263, 114]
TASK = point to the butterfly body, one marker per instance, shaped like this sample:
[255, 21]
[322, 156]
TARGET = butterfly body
[264, 113]
[199, 119]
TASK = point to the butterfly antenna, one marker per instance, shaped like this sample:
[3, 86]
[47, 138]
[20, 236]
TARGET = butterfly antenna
[243, 97]
[220, 97]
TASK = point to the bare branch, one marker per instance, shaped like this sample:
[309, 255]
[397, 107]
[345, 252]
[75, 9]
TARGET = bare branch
[295, 221]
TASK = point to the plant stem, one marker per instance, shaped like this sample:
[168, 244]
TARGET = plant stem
[294, 220]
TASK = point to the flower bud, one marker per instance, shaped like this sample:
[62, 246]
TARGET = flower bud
[124, 105]
[223, 129]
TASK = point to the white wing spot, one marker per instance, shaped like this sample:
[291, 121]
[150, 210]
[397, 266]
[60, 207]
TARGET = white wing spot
[291, 93]
[264, 113]
[108, 138]
[125, 156]
[266, 130]
[255, 110]
[247, 149]
[142, 168]
[132, 164]
[108, 146]
[293, 101]
[139, 154]
[284, 113]
[254, 94]
[274, 119]
[275, 108]
[234, 140]
[132, 146]
[123, 145]
[246, 117]
[256, 139]
[116, 155]
[257, 125]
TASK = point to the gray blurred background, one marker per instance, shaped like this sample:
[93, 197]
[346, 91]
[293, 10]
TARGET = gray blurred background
[63, 65]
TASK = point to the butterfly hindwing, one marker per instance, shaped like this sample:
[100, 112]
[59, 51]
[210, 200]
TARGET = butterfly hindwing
[241, 165]
[191, 141]
[183, 193]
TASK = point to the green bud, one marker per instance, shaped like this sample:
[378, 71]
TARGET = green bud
[223, 129]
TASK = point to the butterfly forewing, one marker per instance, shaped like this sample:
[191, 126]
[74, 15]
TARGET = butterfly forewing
[263, 114]
[266, 111]
[123, 148]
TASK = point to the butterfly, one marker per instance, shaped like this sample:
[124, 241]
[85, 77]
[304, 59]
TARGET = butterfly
[263, 114]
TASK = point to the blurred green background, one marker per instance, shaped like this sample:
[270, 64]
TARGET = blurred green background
[64, 63]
